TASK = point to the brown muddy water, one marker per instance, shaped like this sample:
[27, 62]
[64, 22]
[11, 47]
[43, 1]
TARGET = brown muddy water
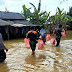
[49, 59]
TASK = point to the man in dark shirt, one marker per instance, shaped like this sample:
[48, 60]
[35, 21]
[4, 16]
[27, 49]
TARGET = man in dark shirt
[32, 36]
[58, 31]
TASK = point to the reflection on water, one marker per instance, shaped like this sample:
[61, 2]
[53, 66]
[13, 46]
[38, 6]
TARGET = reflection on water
[34, 59]
[4, 67]
[49, 59]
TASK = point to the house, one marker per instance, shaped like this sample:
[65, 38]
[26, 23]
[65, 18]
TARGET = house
[4, 23]
[9, 18]
[14, 18]
[14, 25]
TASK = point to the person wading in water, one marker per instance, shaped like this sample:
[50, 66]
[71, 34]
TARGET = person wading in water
[32, 36]
[58, 31]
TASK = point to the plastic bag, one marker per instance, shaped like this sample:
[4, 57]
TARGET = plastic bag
[48, 37]
[53, 41]
[63, 33]
[27, 43]
[40, 44]
[40, 37]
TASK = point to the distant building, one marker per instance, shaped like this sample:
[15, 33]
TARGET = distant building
[13, 25]
[14, 18]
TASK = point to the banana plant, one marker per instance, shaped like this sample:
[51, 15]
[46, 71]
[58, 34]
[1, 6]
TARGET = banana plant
[45, 17]
[36, 15]
[62, 17]
[26, 12]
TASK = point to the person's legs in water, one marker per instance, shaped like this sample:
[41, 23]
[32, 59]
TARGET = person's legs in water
[58, 41]
[2, 55]
[33, 46]
[44, 39]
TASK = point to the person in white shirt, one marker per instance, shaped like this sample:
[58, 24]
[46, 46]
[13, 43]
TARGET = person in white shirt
[43, 34]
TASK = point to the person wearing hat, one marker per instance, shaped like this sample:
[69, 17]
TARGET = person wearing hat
[2, 48]
[58, 31]
[32, 36]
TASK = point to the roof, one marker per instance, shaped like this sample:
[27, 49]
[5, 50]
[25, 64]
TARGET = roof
[10, 15]
[4, 23]
[17, 24]
[23, 24]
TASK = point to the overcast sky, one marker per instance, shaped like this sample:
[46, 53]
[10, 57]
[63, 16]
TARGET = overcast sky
[48, 5]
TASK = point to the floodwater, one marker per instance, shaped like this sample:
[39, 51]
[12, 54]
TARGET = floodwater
[49, 59]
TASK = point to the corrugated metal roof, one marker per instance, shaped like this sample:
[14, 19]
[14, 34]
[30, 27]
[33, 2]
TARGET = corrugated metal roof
[23, 24]
[4, 23]
[10, 15]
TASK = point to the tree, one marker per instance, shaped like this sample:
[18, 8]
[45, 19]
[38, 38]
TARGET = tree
[70, 17]
[26, 12]
[70, 11]
[60, 18]
[37, 16]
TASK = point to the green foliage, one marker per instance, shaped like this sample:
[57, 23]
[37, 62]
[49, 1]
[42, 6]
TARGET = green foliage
[59, 14]
[26, 12]
[44, 17]
[64, 18]
[37, 17]
[70, 11]
[69, 14]
[39, 5]
[70, 25]
[33, 6]
[60, 18]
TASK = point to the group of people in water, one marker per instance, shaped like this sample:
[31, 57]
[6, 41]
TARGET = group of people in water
[33, 36]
